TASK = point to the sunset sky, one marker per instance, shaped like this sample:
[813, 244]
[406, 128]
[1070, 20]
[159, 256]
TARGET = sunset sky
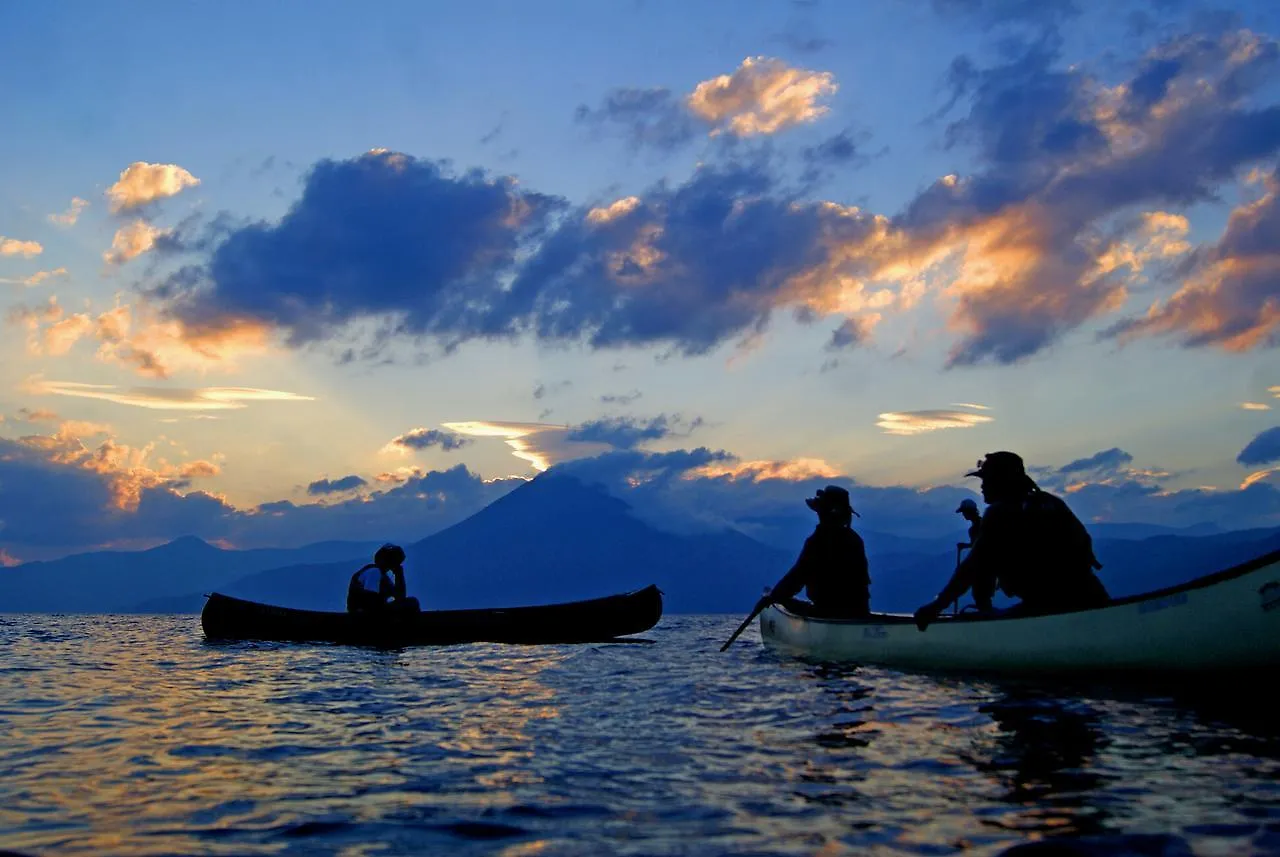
[279, 273]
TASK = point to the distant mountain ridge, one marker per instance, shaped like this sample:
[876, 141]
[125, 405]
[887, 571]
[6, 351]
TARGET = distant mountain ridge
[558, 539]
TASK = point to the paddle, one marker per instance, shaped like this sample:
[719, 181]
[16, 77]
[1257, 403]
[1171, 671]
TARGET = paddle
[760, 605]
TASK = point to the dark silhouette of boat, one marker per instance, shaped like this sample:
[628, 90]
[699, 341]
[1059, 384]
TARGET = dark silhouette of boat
[592, 621]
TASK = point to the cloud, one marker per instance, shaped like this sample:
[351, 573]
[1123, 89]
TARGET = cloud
[920, 422]
[14, 247]
[35, 279]
[1110, 459]
[620, 398]
[1231, 294]
[427, 254]
[645, 118]
[763, 96]
[629, 432]
[142, 183]
[851, 333]
[72, 214]
[39, 415]
[540, 444]
[1263, 449]
[1275, 391]
[166, 398]
[131, 241]
[138, 338]
[541, 390]
[1255, 406]
[1068, 207]
[989, 14]
[1258, 476]
[787, 470]
[422, 438]
[336, 486]
[840, 151]
[689, 266]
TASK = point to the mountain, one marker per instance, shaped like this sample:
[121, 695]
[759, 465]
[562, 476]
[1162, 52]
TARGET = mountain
[553, 539]
[110, 581]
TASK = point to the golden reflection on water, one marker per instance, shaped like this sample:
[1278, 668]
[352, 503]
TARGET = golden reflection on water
[134, 736]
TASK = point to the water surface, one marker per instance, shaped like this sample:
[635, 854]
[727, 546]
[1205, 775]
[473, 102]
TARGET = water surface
[132, 735]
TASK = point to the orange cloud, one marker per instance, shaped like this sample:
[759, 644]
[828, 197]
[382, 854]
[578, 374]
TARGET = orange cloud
[141, 183]
[72, 214]
[794, 470]
[763, 96]
[131, 241]
[920, 422]
[14, 247]
[35, 279]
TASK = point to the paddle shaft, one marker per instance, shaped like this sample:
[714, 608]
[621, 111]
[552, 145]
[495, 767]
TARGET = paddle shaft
[745, 622]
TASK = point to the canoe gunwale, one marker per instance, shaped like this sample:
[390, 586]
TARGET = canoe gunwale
[1226, 574]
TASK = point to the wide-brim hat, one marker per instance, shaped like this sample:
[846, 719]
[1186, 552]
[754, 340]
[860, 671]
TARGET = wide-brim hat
[999, 465]
[831, 498]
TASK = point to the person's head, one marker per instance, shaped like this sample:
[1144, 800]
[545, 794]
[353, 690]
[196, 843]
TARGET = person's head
[388, 556]
[969, 509]
[832, 505]
[1003, 476]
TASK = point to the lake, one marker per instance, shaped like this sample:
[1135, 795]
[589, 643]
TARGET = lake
[132, 735]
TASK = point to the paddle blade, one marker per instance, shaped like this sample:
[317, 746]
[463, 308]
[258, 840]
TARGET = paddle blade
[742, 627]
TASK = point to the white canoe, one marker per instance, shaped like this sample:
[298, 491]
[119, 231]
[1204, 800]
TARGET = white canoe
[1224, 621]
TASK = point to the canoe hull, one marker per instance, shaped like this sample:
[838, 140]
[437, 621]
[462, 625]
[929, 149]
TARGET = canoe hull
[596, 620]
[1228, 621]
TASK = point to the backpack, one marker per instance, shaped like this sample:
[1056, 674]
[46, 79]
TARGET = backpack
[1050, 523]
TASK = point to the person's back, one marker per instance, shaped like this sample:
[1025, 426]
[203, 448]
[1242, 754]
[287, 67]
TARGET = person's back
[1030, 545]
[1050, 563]
[837, 578]
[380, 586]
[832, 567]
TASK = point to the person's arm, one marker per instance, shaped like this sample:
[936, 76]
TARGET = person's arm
[795, 579]
[397, 583]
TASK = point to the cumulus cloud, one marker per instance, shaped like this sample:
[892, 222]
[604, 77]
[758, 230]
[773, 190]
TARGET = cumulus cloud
[142, 183]
[1069, 205]
[1231, 294]
[131, 241]
[715, 257]
[763, 96]
[336, 486]
[14, 247]
[35, 279]
[920, 422]
[166, 398]
[423, 438]
[426, 255]
[1263, 449]
[72, 214]
[138, 338]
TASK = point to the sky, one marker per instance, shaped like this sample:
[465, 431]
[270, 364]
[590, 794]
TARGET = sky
[314, 271]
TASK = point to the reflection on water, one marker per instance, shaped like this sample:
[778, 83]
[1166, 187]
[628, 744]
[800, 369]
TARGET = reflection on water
[132, 735]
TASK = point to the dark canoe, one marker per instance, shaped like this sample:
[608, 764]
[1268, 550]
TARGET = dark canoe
[593, 621]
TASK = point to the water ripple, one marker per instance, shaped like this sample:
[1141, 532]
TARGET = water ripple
[135, 736]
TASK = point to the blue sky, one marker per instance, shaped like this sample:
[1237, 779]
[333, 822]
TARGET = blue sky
[598, 230]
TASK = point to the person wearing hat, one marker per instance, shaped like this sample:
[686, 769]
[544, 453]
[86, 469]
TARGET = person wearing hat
[1030, 546]
[832, 566]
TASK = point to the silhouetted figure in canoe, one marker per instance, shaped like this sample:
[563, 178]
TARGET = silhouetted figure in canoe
[1030, 546]
[969, 510]
[379, 586]
[832, 566]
